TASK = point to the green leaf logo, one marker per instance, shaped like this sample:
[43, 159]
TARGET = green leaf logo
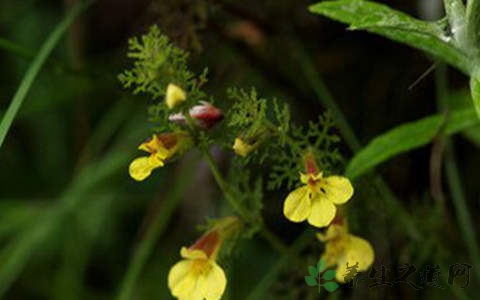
[315, 280]
[313, 271]
[331, 286]
[329, 275]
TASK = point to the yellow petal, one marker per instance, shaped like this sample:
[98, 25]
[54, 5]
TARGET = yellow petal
[141, 168]
[174, 96]
[331, 254]
[213, 283]
[323, 211]
[297, 206]
[193, 254]
[156, 147]
[337, 189]
[156, 161]
[182, 281]
[356, 250]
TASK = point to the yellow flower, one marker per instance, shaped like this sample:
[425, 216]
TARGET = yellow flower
[316, 200]
[242, 148]
[346, 250]
[198, 276]
[174, 96]
[161, 147]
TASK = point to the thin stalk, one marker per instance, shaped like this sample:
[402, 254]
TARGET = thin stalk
[238, 207]
[473, 26]
[455, 11]
[453, 176]
[461, 209]
[242, 211]
[36, 66]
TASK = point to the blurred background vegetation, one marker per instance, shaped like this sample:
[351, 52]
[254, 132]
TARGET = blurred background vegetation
[71, 219]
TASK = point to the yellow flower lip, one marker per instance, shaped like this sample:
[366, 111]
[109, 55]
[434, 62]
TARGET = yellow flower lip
[316, 201]
[344, 249]
[197, 275]
[161, 147]
[174, 95]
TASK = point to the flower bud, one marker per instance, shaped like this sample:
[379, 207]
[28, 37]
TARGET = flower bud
[242, 148]
[204, 115]
[174, 96]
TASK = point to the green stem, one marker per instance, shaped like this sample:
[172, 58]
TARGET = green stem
[242, 211]
[473, 27]
[238, 207]
[461, 209]
[36, 66]
[455, 10]
[453, 176]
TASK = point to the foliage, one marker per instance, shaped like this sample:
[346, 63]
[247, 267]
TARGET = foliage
[408, 137]
[457, 44]
[270, 126]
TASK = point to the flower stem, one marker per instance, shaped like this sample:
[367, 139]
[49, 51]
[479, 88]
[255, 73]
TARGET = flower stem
[243, 212]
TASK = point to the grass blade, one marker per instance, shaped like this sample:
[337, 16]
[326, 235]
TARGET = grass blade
[36, 66]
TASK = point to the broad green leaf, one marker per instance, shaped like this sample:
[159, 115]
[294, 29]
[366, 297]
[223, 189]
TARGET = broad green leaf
[313, 271]
[321, 265]
[331, 286]
[380, 19]
[329, 275]
[311, 281]
[407, 137]
[475, 90]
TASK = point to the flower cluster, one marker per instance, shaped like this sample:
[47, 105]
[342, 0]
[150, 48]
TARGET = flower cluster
[186, 119]
[162, 147]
